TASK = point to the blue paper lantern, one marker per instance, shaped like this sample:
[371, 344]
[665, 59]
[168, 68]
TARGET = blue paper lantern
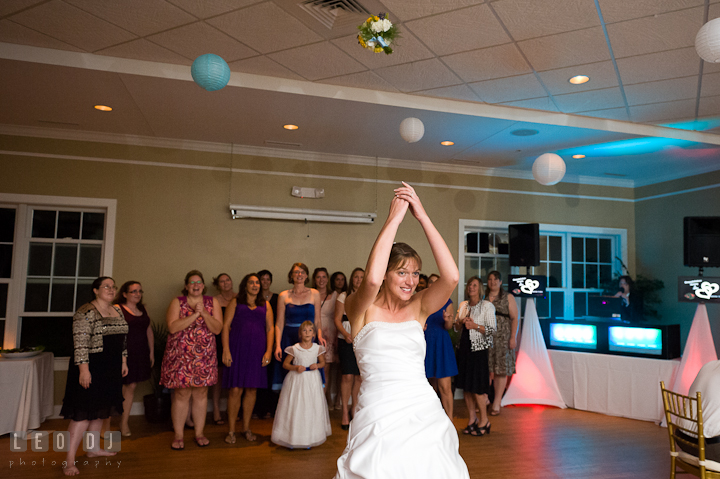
[210, 72]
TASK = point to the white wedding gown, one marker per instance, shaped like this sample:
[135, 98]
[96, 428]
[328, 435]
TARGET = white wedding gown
[400, 429]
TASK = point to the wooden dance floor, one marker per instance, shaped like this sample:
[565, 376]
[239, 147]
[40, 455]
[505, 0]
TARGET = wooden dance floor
[526, 442]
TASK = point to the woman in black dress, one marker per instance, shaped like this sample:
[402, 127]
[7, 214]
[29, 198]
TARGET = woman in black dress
[93, 391]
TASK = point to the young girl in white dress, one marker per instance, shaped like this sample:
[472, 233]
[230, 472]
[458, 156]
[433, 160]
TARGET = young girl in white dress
[302, 419]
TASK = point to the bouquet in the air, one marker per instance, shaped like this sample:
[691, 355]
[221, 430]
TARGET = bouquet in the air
[377, 33]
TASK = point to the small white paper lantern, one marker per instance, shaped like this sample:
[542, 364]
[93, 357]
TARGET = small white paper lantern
[548, 169]
[210, 71]
[412, 129]
[707, 41]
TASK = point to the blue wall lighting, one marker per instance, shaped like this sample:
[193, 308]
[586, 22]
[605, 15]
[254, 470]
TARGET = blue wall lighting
[582, 336]
[635, 340]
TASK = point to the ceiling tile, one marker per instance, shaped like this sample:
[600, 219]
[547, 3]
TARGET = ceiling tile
[602, 75]
[142, 49]
[199, 38]
[286, 31]
[409, 9]
[320, 60]
[409, 49]
[619, 10]
[709, 106]
[590, 100]
[609, 114]
[488, 63]
[210, 8]
[659, 66]
[9, 6]
[421, 75]
[263, 66]
[367, 80]
[663, 111]
[534, 104]
[566, 49]
[460, 30]
[71, 25]
[13, 33]
[536, 18]
[710, 84]
[655, 34]
[142, 17]
[521, 87]
[666, 90]
[457, 92]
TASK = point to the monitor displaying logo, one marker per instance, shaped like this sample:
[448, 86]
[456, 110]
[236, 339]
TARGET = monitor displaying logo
[694, 289]
[527, 286]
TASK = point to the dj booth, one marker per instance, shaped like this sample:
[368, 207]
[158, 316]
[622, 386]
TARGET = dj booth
[611, 367]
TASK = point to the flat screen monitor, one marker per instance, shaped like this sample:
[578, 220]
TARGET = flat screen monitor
[604, 306]
[581, 336]
[635, 340]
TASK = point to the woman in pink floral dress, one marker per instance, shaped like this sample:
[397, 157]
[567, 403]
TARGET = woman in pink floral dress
[190, 362]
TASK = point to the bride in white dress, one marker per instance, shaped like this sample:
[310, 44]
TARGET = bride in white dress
[400, 429]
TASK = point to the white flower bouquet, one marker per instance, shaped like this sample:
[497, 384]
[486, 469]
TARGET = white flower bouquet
[377, 33]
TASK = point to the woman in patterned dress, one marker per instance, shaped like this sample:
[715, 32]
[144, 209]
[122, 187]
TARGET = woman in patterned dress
[321, 282]
[190, 362]
[502, 352]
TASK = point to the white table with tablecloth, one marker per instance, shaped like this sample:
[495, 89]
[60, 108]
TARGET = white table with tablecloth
[26, 392]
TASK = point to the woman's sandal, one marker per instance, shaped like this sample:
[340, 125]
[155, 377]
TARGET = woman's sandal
[230, 438]
[495, 412]
[481, 430]
[471, 428]
[202, 441]
[177, 445]
[250, 436]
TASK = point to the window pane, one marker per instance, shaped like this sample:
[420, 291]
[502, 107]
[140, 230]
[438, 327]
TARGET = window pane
[542, 305]
[484, 239]
[63, 295]
[486, 265]
[84, 293]
[472, 266]
[580, 304]
[605, 251]
[502, 243]
[69, 225]
[90, 256]
[591, 250]
[605, 274]
[577, 250]
[591, 276]
[541, 270]
[543, 248]
[53, 333]
[7, 224]
[555, 279]
[40, 259]
[578, 276]
[503, 265]
[557, 304]
[65, 259]
[555, 248]
[471, 242]
[3, 300]
[6, 260]
[37, 293]
[93, 226]
[43, 224]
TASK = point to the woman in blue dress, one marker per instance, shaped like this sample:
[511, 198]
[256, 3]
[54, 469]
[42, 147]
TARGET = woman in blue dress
[440, 364]
[294, 306]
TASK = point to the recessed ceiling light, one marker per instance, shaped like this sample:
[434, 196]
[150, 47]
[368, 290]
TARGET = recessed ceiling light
[579, 79]
[578, 157]
[103, 108]
[291, 127]
[447, 143]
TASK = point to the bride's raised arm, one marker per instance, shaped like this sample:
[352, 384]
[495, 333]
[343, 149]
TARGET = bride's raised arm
[357, 303]
[432, 299]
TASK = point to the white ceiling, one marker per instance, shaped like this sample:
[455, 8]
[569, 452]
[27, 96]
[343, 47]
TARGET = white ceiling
[474, 71]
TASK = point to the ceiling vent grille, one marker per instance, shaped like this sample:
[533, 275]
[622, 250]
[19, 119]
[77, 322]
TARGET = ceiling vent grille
[335, 13]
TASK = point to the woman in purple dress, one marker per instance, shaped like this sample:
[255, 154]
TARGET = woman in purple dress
[247, 347]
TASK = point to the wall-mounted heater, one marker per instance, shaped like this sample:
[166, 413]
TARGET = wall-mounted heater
[299, 214]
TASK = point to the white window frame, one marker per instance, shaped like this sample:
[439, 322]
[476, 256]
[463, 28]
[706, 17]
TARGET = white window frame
[23, 205]
[565, 230]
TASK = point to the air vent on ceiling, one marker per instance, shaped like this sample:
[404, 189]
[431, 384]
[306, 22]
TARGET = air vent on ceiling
[335, 13]
[282, 143]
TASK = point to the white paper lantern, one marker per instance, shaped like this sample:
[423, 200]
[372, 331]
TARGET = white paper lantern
[548, 169]
[412, 129]
[707, 41]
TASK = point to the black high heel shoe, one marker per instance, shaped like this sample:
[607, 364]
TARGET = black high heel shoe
[471, 428]
[481, 431]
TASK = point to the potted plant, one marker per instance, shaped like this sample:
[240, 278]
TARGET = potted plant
[157, 404]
